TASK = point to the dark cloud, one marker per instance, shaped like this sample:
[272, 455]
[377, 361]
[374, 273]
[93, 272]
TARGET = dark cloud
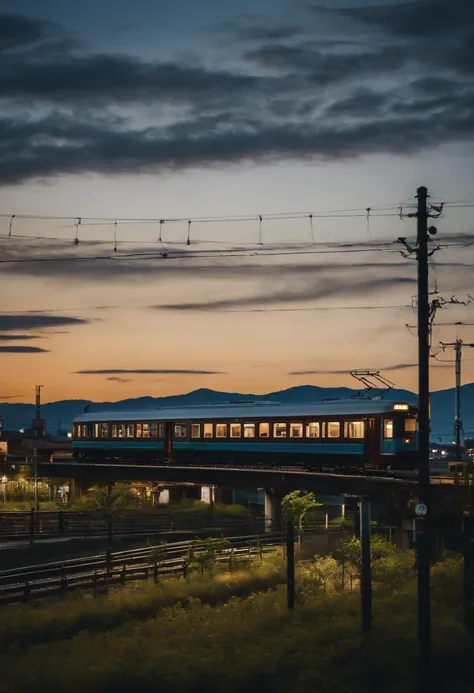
[255, 27]
[401, 91]
[48, 66]
[22, 350]
[421, 19]
[36, 153]
[146, 371]
[25, 321]
[116, 379]
[19, 30]
[396, 367]
[18, 337]
[364, 102]
[310, 291]
[104, 79]
[192, 262]
[324, 68]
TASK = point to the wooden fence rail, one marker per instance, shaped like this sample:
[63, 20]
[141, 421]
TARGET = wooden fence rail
[17, 526]
[98, 572]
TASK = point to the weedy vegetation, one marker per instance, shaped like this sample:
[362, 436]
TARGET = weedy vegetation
[220, 631]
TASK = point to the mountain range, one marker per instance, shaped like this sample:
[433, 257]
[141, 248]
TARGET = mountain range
[59, 415]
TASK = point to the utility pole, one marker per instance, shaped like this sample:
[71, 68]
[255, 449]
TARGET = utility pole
[458, 347]
[37, 428]
[422, 509]
[423, 536]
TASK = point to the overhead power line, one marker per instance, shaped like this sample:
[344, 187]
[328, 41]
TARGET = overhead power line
[327, 213]
[166, 255]
[249, 310]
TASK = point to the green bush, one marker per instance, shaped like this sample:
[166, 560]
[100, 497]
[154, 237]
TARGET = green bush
[247, 644]
[232, 632]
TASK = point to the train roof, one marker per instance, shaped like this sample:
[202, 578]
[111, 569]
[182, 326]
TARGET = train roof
[356, 407]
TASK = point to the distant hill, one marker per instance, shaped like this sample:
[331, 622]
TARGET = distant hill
[60, 414]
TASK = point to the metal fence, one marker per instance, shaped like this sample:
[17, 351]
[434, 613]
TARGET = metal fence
[19, 525]
[98, 573]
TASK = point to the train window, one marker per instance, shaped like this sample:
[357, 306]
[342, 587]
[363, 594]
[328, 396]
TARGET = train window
[161, 430]
[264, 430]
[312, 429]
[130, 430]
[96, 431]
[114, 431]
[208, 428]
[334, 429]
[154, 430]
[103, 430]
[249, 430]
[235, 430]
[388, 428]
[296, 430]
[279, 430]
[195, 430]
[146, 430]
[353, 429]
[180, 431]
[139, 430]
[77, 430]
[121, 430]
[410, 425]
[221, 430]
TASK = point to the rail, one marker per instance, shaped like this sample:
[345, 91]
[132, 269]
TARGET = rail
[97, 573]
[20, 525]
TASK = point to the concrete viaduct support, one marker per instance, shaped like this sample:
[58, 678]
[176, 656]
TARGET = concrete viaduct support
[273, 519]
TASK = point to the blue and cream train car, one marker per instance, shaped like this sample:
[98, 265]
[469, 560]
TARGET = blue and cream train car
[339, 434]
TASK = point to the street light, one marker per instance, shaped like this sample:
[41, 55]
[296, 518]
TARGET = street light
[4, 480]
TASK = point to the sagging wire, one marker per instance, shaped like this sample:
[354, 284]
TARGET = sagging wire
[311, 228]
[432, 266]
[160, 239]
[10, 226]
[77, 224]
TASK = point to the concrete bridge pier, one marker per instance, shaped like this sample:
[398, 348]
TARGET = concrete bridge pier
[405, 534]
[217, 494]
[208, 494]
[78, 489]
[273, 519]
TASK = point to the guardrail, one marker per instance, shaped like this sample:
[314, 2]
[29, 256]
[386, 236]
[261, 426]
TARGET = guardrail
[100, 572]
[19, 525]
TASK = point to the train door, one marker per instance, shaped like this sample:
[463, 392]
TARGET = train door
[168, 442]
[372, 443]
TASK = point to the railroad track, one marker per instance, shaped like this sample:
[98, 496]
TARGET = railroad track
[95, 572]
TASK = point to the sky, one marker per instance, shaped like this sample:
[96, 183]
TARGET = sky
[285, 140]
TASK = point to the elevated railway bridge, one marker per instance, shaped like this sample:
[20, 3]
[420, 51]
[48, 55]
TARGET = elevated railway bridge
[394, 494]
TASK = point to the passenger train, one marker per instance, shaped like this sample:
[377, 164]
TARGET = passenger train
[339, 434]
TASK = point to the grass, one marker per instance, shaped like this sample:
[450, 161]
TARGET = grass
[27, 505]
[24, 625]
[185, 506]
[233, 633]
